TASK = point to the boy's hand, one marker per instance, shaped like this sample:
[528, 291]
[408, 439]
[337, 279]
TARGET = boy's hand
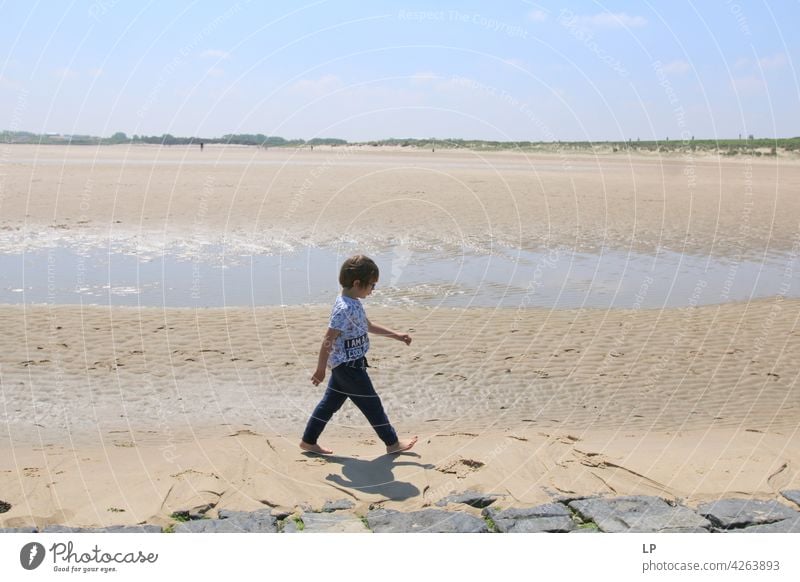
[405, 338]
[318, 376]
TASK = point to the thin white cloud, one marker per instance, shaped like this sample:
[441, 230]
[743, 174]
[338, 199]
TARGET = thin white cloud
[517, 63]
[96, 72]
[676, 67]
[749, 84]
[9, 83]
[215, 72]
[537, 15]
[215, 54]
[618, 20]
[423, 77]
[602, 20]
[66, 73]
[776, 61]
[317, 87]
[460, 84]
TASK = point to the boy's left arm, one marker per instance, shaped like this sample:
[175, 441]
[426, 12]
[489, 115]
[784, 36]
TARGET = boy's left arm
[380, 330]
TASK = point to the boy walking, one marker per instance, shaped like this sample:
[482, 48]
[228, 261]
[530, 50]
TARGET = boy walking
[344, 350]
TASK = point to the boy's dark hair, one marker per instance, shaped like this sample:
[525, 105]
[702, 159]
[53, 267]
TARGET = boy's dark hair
[358, 268]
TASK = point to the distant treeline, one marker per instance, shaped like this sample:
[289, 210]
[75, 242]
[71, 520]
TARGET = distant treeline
[747, 144]
[725, 146]
[258, 139]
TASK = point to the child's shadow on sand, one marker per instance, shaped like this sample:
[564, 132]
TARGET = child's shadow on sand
[375, 476]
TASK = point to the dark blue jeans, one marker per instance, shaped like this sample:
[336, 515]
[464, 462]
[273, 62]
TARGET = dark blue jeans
[350, 380]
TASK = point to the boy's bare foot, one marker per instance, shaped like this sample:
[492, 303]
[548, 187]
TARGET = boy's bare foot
[401, 446]
[314, 448]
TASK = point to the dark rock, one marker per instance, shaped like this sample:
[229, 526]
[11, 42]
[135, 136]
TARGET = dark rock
[280, 514]
[200, 511]
[4, 506]
[425, 521]
[251, 521]
[137, 529]
[132, 529]
[638, 513]
[261, 521]
[546, 510]
[550, 517]
[585, 530]
[203, 526]
[337, 505]
[471, 498]
[792, 495]
[109, 529]
[734, 513]
[540, 525]
[65, 529]
[327, 523]
[231, 514]
[791, 525]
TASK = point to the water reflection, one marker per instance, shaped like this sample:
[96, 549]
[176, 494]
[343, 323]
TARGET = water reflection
[212, 276]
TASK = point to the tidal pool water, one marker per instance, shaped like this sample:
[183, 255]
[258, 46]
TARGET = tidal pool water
[213, 275]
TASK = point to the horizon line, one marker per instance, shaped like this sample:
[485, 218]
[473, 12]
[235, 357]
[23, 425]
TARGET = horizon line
[134, 137]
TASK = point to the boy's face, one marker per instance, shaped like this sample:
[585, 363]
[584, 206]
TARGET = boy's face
[364, 290]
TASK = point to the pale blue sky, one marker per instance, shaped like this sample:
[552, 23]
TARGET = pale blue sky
[507, 70]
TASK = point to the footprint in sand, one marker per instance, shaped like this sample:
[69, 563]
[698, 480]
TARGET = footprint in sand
[27, 363]
[192, 472]
[461, 468]
[312, 461]
[244, 432]
[125, 444]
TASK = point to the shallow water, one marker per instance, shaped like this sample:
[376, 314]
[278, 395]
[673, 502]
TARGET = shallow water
[213, 275]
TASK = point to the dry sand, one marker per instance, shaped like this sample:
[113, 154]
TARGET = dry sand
[124, 415]
[728, 207]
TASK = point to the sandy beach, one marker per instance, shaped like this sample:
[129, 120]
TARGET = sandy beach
[124, 415]
[682, 202]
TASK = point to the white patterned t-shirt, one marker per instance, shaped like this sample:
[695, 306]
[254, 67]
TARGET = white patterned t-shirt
[348, 317]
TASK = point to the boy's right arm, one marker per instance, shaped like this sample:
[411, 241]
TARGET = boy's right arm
[324, 353]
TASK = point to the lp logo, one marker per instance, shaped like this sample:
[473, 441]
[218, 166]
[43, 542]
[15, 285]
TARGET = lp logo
[31, 556]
